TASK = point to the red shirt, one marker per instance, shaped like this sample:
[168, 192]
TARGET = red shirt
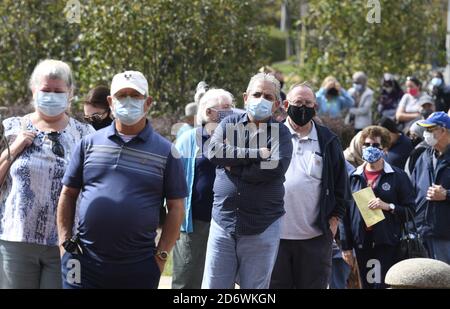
[371, 179]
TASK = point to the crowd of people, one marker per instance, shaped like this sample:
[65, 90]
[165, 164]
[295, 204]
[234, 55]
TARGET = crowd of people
[261, 197]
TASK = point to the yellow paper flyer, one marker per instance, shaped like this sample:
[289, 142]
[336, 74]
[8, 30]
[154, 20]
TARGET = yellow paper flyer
[362, 199]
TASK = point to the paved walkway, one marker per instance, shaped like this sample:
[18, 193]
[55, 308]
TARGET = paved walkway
[165, 282]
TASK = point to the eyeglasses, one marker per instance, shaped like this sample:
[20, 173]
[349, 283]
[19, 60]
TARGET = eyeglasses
[95, 117]
[376, 145]
[57, 147]
[432, 129]
[302, 102]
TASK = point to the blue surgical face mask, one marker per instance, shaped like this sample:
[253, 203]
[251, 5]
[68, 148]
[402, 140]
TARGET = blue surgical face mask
[51, 103]
[436, 82]
[221, 115]
[128, 110]
[358, 87]
[259, 108]
[372, 154]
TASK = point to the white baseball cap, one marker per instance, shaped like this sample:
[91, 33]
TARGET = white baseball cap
[129, 79]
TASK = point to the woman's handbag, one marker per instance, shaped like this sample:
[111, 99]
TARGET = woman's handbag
[411, 243]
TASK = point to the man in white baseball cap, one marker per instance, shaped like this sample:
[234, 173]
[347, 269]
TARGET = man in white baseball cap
[129, 79]
[125, 171]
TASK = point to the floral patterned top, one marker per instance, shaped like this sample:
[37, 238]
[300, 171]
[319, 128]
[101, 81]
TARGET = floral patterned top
[33, 184]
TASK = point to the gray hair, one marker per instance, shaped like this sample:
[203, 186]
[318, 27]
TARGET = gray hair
[302, 85]
[52, 69]
[212, 98]
[360, 76]
[262, 77]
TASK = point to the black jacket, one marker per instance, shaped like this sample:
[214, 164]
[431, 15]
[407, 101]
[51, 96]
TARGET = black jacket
[335, 195]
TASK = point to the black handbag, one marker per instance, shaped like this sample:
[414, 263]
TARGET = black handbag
[411, 243]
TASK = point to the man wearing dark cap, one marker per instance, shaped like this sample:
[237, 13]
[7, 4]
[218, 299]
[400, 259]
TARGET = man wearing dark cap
[401, 145]
[431, 180]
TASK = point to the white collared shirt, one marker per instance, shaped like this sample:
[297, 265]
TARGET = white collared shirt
[302, 187]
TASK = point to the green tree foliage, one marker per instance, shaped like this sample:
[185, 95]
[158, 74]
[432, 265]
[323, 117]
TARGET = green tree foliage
[175, 43]
[340, 40]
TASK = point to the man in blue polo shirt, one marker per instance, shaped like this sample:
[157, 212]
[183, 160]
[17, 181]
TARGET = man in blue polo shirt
[123, 172]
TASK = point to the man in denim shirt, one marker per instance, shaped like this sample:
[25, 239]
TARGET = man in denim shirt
[253, 152]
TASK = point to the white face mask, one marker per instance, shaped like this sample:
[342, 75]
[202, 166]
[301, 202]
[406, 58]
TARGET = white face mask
[51, 103]
[128, 111]
[429, 138]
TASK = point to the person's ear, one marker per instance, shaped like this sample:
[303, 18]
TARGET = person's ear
[110, 103]
[275, 106]
[286, 104]
[245, 96]
[148, 103]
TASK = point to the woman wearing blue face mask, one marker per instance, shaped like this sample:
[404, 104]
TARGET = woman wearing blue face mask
[41, 144]
[190, 249]
[376, 247]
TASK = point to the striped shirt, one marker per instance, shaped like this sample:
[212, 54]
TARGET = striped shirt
[123, 185]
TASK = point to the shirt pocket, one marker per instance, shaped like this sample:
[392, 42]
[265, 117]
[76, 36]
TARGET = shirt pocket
[315, 166]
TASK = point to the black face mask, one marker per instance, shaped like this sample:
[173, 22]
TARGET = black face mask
[426, 113]
[101, 123]
[301, 115]
[333, 92]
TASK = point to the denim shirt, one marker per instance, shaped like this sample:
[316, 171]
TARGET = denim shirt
[248, 193]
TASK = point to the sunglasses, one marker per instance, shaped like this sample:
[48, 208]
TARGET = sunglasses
[57, 147]
[376, 145]
[95, 117]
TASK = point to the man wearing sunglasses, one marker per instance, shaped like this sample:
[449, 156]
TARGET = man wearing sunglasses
[431, 179]
[124, 172]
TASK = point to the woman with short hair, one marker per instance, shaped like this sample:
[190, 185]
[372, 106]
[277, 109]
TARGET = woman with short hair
[40, 147]
[376, 246]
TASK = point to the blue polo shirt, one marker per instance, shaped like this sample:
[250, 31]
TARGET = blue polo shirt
[122, 188]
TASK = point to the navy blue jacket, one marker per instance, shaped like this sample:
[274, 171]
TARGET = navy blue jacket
[335, 195]
[432, 218]
[399, 152]
[393, 186]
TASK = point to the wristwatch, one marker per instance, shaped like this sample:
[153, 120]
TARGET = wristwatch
[162, 255]
[391, 207]
[70, 245]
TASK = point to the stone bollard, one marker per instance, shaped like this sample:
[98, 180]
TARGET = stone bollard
[419, 273]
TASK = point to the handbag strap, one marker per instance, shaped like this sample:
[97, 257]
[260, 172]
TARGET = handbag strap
[409, 217]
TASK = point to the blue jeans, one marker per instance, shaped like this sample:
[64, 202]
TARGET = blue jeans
[244, 259]
[340, 271]
[438, 248]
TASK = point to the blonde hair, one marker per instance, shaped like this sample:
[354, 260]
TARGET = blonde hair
[328, 79]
